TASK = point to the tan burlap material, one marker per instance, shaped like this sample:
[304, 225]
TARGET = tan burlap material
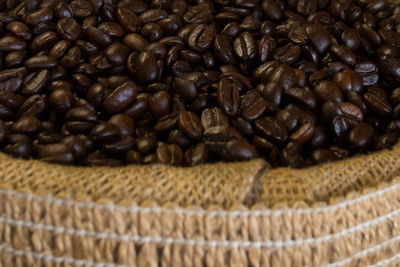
[345, 213]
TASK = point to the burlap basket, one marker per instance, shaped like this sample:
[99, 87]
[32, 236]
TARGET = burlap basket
[345, 213]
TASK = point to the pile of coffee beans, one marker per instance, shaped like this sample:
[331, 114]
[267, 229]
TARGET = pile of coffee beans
[188, 82]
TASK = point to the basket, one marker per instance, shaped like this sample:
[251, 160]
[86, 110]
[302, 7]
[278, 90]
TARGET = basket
[345, 213]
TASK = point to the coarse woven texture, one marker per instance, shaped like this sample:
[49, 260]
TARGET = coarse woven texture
[345, 213]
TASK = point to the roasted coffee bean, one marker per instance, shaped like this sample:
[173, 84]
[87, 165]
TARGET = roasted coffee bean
[12, 43]
[345, 54]
[34, 106]
[61, 100]
[377, 105]
[294, 82]
[196, 155]
[239, 150]
[35, 82]
[349, 80]
[328, 91]
[81, 8]
[19, 29]
[42, 41]
[245, 46]
[121, 97]
[228, 96]
[68, 29]
[160, 104]
[27, 125]
[190, 124]
[270, 129]
[169, 154]
[105, 131]
[272, 10]
[361, 136]
[223, 50]
[287, 54]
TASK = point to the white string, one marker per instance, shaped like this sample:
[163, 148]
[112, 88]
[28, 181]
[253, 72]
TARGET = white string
[68, 260]
[364, 253]
[395, 258]
[199, 242]
[180, 211]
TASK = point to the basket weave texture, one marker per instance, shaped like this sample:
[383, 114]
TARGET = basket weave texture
[345, 213]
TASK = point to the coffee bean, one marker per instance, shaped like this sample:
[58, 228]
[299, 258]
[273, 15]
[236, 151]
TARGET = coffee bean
[27, 125]
[270, 128]
[252, 105]
[169, 154]
[121, 97]
[361, 136]
[196, 155]
[34, 106]
[287, 54]
[239, 150]
[245, 46]
[223, 49]
[228, 96]
[328, 91]
[19, 29]
[349, 80]
[68, 29]
[35, 83]
[160, 103]
[377, 105]
[272, 10]
[190, 124]
[12, 43]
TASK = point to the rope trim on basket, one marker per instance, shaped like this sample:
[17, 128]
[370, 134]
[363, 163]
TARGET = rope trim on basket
[54, 259]
[198, 242]
[180, 211]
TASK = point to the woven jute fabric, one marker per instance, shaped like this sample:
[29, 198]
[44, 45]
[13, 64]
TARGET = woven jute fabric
[345, 213]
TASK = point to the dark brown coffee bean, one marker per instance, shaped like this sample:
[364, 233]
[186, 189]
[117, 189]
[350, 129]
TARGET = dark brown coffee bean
[352, 111]
[121, 97]
[307, 7]
[302, 96]
[345, 54]
[223, 50]
[349, 80]
[160, 103]
[252, 105]
[35, 83]
[361, 136]
[196, 155]
[266, 47]
[41, 15]
[61, 100]
[287, 54]
[319, 37]
[291, 156]
[323, 155]
[43, 41]
[11, 100]
[34, 106]
[389, 68]
[351, 39]
[328, 91]
[284, 76]
[377, 105]
[228, 96]
[153, 15]
[169, 154]
[270, 129]
[190, 124]
[41, 62]
[245, 46]
[272, 10]
[19, 29]
[239, 150]
[133, 157]
[68, 29]
[27, 125]
[12, 43]
[81, 8]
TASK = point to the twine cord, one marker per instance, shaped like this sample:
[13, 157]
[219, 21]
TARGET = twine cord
[180, 211]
